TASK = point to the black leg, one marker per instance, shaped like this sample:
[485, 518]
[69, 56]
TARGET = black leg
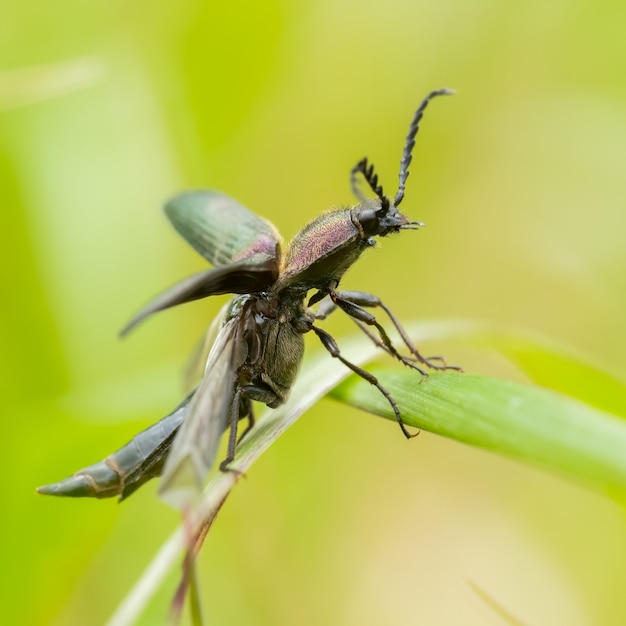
[326, 307]
[242, 407]
[361, 316]
[331, 345]
[232, 433]
[352, 301]
[249, 413]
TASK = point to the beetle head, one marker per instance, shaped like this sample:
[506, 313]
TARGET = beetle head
[381, 216]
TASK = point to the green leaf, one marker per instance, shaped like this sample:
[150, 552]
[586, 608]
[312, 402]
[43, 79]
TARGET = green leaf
[319, 374]
[560, 368]
[527, 423]
[520, 421]
[548, 362]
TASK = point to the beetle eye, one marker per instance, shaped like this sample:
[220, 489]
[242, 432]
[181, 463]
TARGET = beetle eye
[369, 221]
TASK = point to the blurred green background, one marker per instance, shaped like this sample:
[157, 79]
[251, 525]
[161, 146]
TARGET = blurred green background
[107, 109]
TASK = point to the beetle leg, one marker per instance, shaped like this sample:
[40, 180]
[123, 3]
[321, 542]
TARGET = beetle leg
[361, 316]
[330, 344]
[317, 296]
[249, 413]
[357, 299]
[241, 407]
[374, 339]
[326, 307]
[232, 432]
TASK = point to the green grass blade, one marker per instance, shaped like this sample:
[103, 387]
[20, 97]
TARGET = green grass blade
[556, 367]
[524, 422]
[548, 362]
[527, 423]
[195, 604]
[319, 374]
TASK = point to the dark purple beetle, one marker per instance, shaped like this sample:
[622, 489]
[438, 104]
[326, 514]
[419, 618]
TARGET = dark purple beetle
[259, 336]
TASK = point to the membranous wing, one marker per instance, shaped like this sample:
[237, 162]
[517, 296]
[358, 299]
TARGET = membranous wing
[196, 444]
[124, 471]
[244, 248]
[144, 456]
[199, 358]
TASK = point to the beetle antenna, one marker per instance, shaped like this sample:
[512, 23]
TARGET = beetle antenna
[354, 183]
[407, 155]
[367, 169]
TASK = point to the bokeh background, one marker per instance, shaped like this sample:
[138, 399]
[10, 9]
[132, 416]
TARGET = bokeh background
[107, 109]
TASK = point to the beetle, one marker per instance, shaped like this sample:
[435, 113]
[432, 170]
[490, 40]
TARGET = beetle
[259, 335]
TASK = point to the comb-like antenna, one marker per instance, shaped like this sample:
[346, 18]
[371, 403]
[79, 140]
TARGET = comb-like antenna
[407, 155]
[354, 184]
[372, 180]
